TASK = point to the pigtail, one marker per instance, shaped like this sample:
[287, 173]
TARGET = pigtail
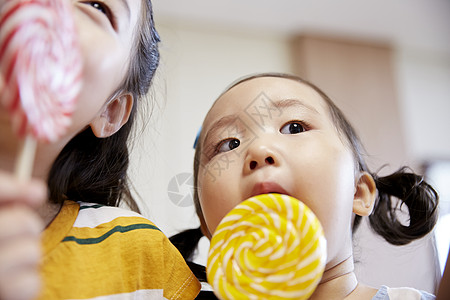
[420, 198]
[186, 242]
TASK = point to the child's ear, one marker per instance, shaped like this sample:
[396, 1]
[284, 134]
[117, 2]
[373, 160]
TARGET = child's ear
[112, 116]
[365, 194]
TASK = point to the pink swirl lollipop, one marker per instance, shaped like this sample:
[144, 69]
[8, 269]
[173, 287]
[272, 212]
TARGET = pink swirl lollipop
[41, 66]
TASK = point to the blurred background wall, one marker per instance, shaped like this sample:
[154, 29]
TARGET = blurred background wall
[385, 63]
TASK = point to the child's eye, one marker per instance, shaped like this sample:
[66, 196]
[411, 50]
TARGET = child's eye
[104, 9]
[228, 145]
[293, 128]
[99, 6]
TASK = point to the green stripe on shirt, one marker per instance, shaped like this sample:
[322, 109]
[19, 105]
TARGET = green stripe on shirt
[121, 229]
[91, 206]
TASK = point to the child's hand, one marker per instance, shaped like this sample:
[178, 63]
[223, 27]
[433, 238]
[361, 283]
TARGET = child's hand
[20, 229]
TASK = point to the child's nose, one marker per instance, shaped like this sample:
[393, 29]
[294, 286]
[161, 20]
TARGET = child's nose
[269, 160]
[260, 155]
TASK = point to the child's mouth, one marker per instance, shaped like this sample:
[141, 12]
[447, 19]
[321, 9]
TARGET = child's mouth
[267, 188]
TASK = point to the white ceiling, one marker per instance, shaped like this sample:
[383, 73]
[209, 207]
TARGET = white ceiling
[424, 24]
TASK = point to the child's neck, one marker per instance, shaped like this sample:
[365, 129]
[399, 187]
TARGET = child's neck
[48, 212]
[339, 282]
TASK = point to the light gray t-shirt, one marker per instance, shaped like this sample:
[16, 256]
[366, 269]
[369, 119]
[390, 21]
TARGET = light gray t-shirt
[385, 293]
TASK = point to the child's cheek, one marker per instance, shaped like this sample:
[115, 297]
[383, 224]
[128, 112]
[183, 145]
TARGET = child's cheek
[212, 204]
[218, 189]
[217, 167]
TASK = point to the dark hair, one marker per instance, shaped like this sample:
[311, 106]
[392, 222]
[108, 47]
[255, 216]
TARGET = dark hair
[95, 169]
[409, 188]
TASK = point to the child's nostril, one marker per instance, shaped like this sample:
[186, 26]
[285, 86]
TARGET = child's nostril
[253, 164]
[269, 160]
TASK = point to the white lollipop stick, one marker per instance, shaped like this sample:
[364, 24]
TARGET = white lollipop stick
[25, 159]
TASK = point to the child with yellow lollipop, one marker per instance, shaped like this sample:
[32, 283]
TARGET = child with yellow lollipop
[278, 134]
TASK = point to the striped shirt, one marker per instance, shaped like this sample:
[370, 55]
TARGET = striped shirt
[99, 252]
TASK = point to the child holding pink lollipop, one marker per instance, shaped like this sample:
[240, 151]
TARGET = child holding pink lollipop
[61, 236]
[276, 133]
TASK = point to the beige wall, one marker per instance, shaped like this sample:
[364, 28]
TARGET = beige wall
[359, 78]
[423, 81]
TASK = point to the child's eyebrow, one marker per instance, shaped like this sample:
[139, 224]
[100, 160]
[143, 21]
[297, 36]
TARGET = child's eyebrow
[286, 103]
[222, 122]
[280, 104]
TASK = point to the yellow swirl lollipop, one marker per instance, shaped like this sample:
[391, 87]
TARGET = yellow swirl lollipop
[268, 247]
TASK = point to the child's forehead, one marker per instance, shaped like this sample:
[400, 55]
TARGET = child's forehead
[264, 93]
